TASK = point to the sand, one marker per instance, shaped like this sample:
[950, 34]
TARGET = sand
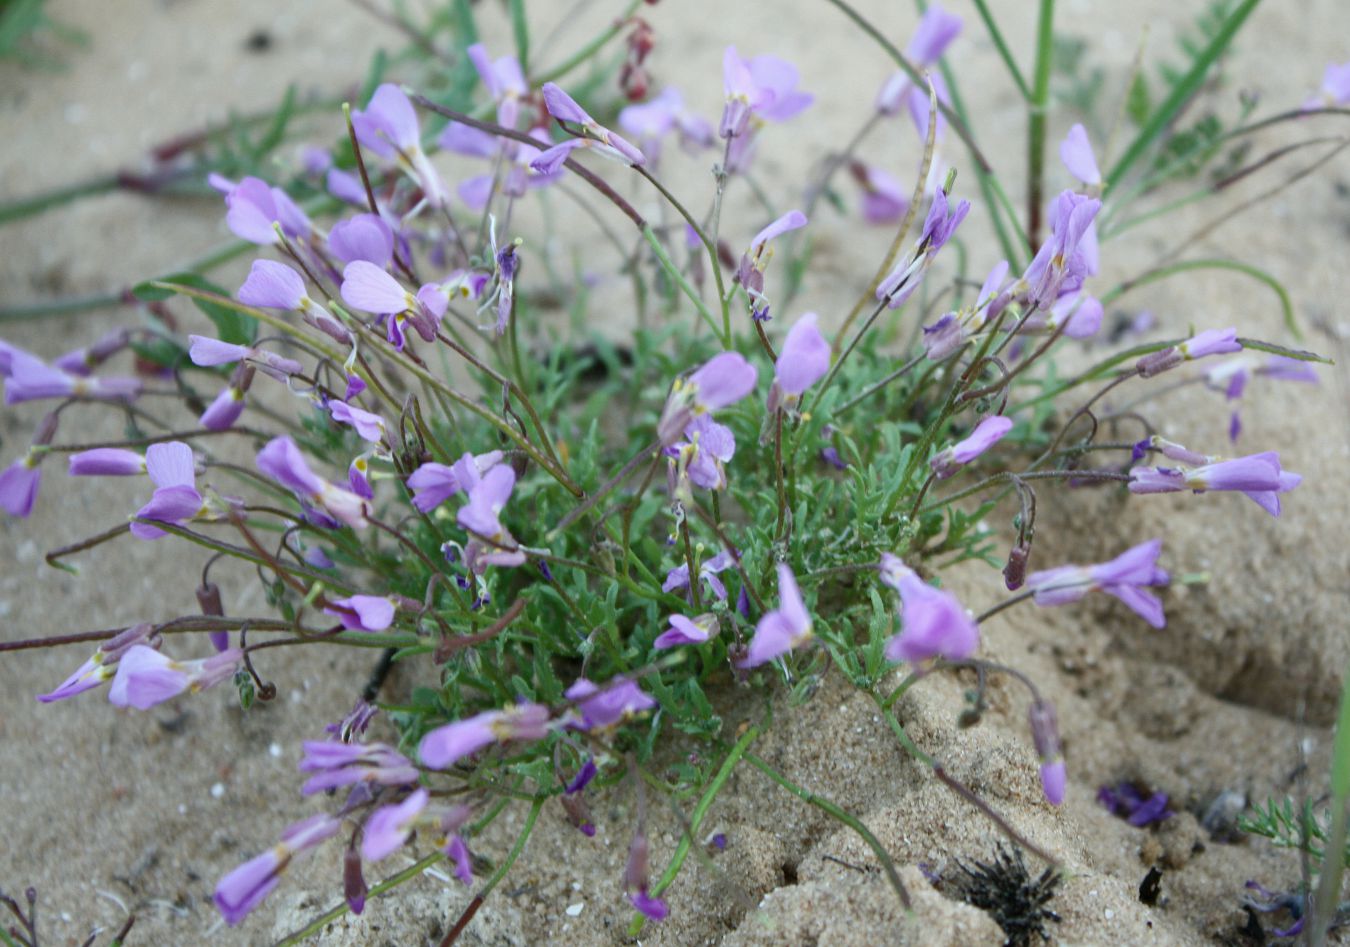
[110, 812]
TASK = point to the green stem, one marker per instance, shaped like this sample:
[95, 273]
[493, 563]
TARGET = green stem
[1001, 44]
[840, 815]
[1171, 269]
[1037, 112]
[589, 50]
[1333, 864]
[27, 206]
[674, 273]
[332, 914]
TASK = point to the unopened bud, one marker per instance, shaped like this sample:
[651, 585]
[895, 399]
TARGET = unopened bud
[208, 599]
[1015, 571]
[353, 881]
[1044, 729]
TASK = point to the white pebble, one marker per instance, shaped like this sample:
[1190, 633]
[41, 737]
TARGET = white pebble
[574, 910]
[217, 790]
[274, 749]
[1109, 913]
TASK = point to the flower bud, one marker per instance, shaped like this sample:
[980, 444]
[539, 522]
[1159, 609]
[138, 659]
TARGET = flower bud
[353, 881]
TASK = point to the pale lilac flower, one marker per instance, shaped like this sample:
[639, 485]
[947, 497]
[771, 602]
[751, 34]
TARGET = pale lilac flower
[1125, 577]
[1065, 258]
[1076, 153]
[1045, 735]
[1335, 89]
[315, 160]
[244, 888]
[102, 665]
[933, 623]
[388, 127]
[517, 174]
[678, 578]
[363, 612]
[1210, 342]
[481, 516]
[363, 237]
[721, 381]
[938, 228]
[176, 499]
[884, 199]
[505, 82]
[28, 378]
[146, 677]
[389, 827]
[651, 121]
[684, 630]
[282, 460]
[344, 764]
[1171, 450]
[763, 88]
[273, 285]
[209, 352]
[1079, 314]
[1259, 476]
[950, 332]
[432, 483]
[368, 287]
[254, 209]
[803, 361]
[936, 31]
[986, 434]
[368, 426]
[755, 260]
[447, 745]
[601, 708]
[596, 137]
[783, 629]
[106, 462]
[347, 187]
[83, 360]
[228, 405]
[699, 460]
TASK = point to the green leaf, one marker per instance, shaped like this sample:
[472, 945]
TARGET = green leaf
[1137, 100]
[234, 327]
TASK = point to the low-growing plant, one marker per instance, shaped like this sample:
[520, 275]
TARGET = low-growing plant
[592, 549]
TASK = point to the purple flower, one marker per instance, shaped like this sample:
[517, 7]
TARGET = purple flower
[209, 352]
[783, 629]
[481, 516]
[102, 665]
[282, 460]
[1065, 258]
[388, 127]
[363, 237]
[1044, 724]
[653, 908]
[273, 285]
[344, 764]
[369, 426]
[938, 228]
[432, 483]
[755, 260]
[1335, 90]
[986, 434]
[602, 708]
[224, 409]
[723, 380]
[1125, 577]
[763, 88]
[1076, 153]
[389, 827]
[84, 360]
[653, 120]
[1210, 342]
[366, 286]
[803, 361]
[106, 462]
[28, 378]
[254, 209]
[1138, 808]
[447, 745]
[699, 460]
[884, 200]
[935, 625]
[363, 612]
[244, 888]
[19, 484]
[505, 82]
[176, 500]
[1259, 476]
[146, 677]
[934, 34]
[678, 578]
[686, 631]
[346, 186]
[594, 135]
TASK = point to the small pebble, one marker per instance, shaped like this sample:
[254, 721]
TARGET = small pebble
[574, 910]
[274, 749]
[1109, 914]
[217, 790]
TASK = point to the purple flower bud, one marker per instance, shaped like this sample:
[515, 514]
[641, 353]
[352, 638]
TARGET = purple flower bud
[783, 629]
[224, 410]
[244, 888]
[1054, 781]
[344, 764]
[583, 777]
[598, 138]
[28, 378]
[390, 826]
[935, 625]
[986, 434]
[82, 361]
[353, 881]
[1211, 342]
[602, 708]
[19, 484]
[938, 228]
[1015, 571]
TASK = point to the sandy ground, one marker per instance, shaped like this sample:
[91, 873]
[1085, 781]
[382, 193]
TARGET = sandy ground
[109, 812]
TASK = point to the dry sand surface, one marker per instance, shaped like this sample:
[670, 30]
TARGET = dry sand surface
[109, 811]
